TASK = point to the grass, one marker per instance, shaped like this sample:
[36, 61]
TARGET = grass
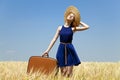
[12, 70]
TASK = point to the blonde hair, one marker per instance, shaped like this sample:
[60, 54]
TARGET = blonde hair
[75, 11]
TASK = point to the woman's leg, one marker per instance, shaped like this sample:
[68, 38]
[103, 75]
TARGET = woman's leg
[63, 71]
[69, 71]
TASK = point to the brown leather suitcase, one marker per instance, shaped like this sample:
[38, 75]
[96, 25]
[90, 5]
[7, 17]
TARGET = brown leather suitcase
[42, 64]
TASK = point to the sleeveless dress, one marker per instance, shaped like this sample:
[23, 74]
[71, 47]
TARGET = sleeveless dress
[66, 54]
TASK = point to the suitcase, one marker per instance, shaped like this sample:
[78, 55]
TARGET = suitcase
[42, 64]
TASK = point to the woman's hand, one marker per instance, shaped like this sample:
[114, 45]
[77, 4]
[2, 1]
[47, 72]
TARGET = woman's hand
[83, 26]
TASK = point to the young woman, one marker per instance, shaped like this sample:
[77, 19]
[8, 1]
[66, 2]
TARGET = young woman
[66, 54]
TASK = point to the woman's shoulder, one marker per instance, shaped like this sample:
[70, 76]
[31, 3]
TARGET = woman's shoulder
[59, 28]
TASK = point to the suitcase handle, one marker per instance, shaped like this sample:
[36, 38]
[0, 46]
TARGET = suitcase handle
[45, 55]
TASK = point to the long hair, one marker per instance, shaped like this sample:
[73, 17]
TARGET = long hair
[77, 18]
[74, 23]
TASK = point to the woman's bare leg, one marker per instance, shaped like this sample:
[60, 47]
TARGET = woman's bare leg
[69, 71]
[63, 71]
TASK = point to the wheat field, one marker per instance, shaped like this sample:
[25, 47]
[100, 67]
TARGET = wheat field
[16, 70]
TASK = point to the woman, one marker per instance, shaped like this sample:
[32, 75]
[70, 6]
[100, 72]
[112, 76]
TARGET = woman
[66, 54]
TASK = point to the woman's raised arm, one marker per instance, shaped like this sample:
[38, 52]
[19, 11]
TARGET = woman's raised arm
[82, 27]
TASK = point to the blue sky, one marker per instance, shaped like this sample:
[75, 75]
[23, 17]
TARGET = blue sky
[28, 26]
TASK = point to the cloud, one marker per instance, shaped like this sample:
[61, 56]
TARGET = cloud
[10, 51]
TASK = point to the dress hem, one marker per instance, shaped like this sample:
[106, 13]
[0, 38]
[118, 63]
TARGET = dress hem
[70, 65]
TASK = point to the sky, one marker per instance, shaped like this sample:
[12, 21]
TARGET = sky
[28, 26]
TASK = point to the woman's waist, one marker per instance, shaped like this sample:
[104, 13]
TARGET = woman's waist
[65, 42]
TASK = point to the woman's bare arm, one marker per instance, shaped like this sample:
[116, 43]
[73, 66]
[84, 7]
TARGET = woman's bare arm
[84, 27]
[53, 40]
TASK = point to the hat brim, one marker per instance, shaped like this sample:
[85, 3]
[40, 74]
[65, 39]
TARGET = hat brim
[75, 11]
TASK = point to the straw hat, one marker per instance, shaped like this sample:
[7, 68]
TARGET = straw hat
[75, 11]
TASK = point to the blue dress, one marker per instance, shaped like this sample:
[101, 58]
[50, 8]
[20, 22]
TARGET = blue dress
[66, 54]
